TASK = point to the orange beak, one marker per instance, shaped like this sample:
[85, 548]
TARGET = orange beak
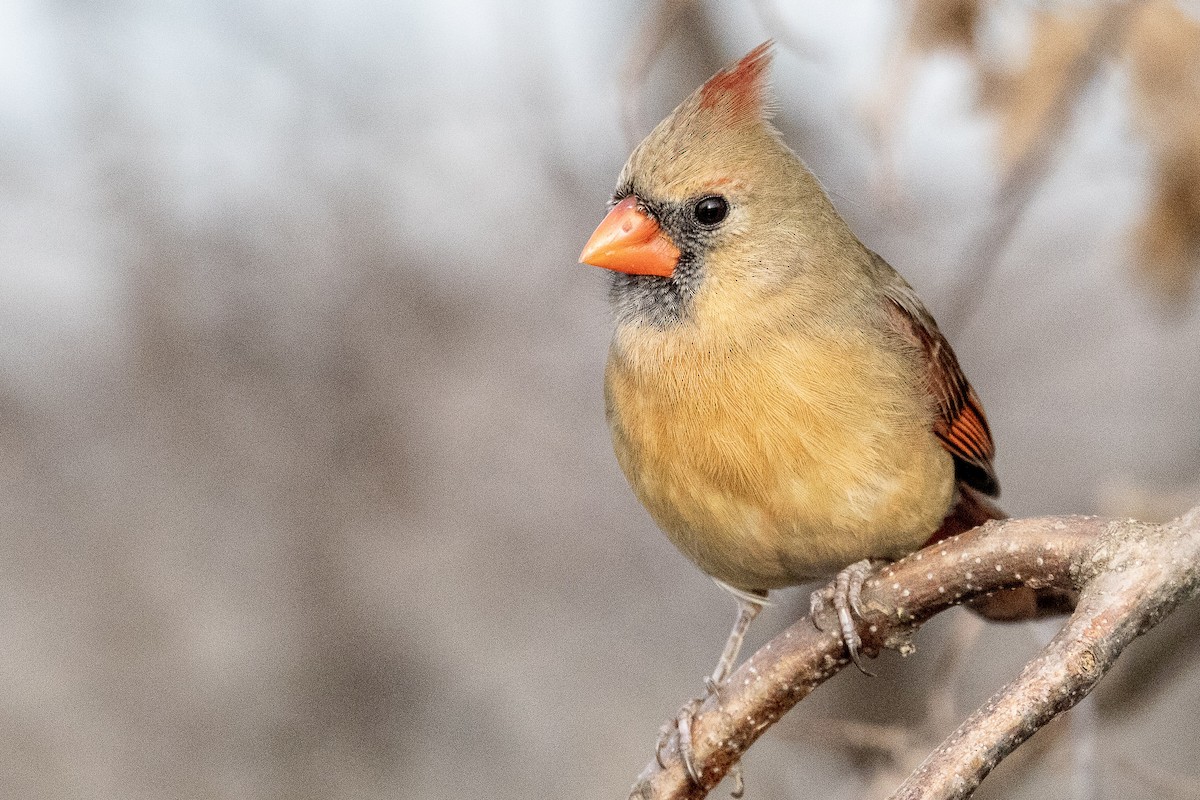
[629, 241]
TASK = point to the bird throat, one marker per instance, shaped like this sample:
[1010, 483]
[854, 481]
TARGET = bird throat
[661, 303]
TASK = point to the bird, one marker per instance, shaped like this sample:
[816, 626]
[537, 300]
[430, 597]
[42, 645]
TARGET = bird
[779, 398]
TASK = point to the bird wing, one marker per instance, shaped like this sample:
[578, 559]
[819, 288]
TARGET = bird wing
[960, 425]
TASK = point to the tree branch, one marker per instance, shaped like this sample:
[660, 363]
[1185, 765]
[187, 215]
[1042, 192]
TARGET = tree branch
[1130, 575]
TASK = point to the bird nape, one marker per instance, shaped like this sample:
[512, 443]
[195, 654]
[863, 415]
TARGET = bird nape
[780, 400]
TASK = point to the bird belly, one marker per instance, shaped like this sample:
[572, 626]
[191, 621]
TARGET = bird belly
[769, 474]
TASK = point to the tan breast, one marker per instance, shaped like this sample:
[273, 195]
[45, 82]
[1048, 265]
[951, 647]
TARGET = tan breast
[769, 464]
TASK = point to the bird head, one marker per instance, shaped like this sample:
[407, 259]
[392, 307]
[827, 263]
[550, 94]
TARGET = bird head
[711, 197]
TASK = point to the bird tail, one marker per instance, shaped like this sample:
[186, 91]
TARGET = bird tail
[1011, 605]
[970, 510]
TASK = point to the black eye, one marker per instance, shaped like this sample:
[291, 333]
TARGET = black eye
[711, 210]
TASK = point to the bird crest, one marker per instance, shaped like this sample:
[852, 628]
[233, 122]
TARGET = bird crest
[738, 92]
[722, 128]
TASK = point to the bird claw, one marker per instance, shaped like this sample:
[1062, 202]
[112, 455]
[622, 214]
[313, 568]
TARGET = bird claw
[683, 724]
[739, 781]
[817, 603]
[749, 604]
[664, 736]
[845, 595]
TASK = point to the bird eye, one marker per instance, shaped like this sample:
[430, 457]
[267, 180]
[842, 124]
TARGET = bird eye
[711, 210]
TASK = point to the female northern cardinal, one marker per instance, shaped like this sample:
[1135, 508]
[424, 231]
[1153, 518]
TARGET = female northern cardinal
[780, 400]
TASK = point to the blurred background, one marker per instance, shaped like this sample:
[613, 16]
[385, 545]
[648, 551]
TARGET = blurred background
[307, 490]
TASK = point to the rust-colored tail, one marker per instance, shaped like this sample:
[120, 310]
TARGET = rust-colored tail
[1013, 605]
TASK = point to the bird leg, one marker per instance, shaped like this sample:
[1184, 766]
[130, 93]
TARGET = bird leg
[846, 597]
[748, 608]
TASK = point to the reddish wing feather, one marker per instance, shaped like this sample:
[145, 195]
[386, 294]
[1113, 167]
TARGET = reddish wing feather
[960, 425]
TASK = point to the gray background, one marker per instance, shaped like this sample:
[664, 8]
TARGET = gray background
[307, 491]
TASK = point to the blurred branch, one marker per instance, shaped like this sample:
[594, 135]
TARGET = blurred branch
[923, 26]
[651, 37]
[894, 749]
[1129, 574]
[1166, 784]
[1028, 171]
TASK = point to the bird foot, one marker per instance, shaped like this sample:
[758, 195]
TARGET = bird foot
[683, 724]
[845, 595]
[749, 604]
